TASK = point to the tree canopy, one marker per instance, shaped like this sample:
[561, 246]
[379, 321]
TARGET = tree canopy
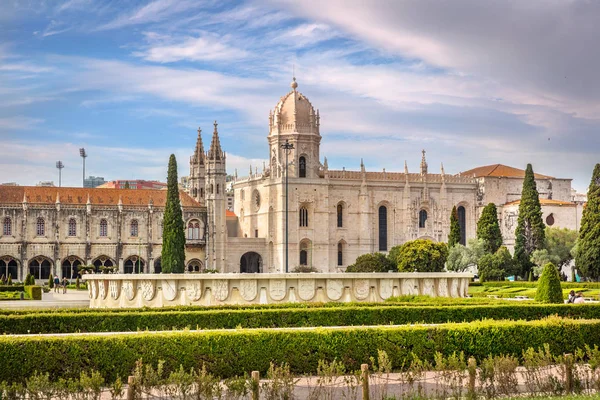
[422, 255]
[560, 243]
[587, 255]
[530, 233]
[488, 229]
[173, 244]
[372, 262]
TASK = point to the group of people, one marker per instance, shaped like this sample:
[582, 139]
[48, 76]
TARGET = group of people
[58, 284]
[575, 298]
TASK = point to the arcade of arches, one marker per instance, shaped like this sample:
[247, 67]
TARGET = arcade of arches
[9, 267]
[251, 262]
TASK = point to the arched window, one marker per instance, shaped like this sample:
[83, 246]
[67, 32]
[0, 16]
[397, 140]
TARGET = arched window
[422, 218]
[134, 227]
[194, 192]
[103, 228]
[72, 227]
[383, 228]
[462, 223]
[202, 193]
[193, 232]
[340, 216]
[550, 220]
[340, 257]
[303, 217]
[305, 258]
[302, 164]
[217, 188]
[211, 188]
[7, 228]
[41, 227]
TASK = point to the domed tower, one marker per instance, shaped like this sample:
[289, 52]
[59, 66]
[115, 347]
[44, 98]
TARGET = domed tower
[294, 119]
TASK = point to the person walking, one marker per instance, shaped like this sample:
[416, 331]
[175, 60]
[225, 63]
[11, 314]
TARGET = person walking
[56, 283]
[65, 282]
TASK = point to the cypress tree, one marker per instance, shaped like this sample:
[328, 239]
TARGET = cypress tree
[454, 236]
[548, 287]
[173, 244]
[126, 185]
[587, 255]
[488, 229]
[530, 232]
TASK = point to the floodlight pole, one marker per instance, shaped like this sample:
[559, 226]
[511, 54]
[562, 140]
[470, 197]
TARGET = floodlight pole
[83, 155]
[286, 146]
[60, 166]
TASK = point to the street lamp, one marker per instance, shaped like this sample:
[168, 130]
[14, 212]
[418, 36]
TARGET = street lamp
[83, 155]
[60, 166]
[286, 146]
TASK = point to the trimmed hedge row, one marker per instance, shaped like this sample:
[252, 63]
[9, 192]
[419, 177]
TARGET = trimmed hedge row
[564, 285]
[34, 292]
[12, 288]
[281, 318]
[230, 353]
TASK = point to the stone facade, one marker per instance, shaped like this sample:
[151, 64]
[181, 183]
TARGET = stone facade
[54, 230]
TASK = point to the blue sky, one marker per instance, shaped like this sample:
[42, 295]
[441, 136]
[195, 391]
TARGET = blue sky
[473, 83]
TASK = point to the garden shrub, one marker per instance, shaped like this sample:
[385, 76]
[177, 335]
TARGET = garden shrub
[231, 353]
[371, 262]
[34, 292]
[13, 288]
[422, 255]
[548, 288]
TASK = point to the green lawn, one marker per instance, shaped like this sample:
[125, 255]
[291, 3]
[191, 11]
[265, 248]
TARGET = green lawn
[11, 296]
[512, 290]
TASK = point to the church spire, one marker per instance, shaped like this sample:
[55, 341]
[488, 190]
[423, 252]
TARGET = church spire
[423, 164]
[199, 152]
[215, 152]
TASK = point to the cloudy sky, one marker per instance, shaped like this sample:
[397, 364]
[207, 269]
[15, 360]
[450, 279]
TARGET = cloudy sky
[473, 82]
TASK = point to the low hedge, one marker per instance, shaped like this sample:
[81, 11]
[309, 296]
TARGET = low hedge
[34, 292]
[12, 288]
[156, 320]
[564, 285]
[230, 353]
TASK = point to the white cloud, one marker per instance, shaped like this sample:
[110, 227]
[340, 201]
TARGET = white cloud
[18, 123]
[154, 11]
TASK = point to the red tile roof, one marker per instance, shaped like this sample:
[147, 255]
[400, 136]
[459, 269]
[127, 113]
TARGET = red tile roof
[499, 170]
[79, 196]
[230, 213]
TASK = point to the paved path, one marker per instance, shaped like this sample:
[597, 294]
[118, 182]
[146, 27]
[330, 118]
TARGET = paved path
[71, 299]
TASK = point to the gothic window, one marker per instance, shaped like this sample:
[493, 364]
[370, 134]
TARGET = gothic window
[211, 188]
[303, 257]
[193, 232]
[462, 223]
[202, 193]
[194, 192]
[340, 256]
[7, 228]
[103, 228]
[302, 164]
[72, 227]
[303, 217]
[134, 227]
[217, 188]
[340, 215]
[41, 227]
[383, 228]
[422, 218]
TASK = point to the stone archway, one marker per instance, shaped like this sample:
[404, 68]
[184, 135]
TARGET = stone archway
[251, 262]
[9, 266]
[70, 267]
[157, 266]
[134, 265]
[102, 261]
[40, 267]
[195, 265]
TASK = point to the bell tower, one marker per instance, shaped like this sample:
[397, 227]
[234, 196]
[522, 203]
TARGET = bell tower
[216, 204]
[198, 170]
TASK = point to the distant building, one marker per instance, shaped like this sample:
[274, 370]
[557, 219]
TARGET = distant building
[133, 184]
[230, 200]
[45, 183]
[9, 184]
[93, 181]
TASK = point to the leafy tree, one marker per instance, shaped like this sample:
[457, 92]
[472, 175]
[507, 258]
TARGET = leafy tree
[126, 185]
[497, 266]
[540, 258]
[560, 242]
[173, 244]
[393, 255]
[454, 236]
[548, 287]
[530, 234]
[422, 255]
[587, 257]
[488, 229]
[372, 262]
[460, 257]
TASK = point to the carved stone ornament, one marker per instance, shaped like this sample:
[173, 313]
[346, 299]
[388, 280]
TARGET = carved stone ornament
[443, 287]
[102, 289]
[277, 289]
[361, 288]
[248, 289]
[221, 289]
[386, 287]
[335, 289]
[93, 288]
[306, 289]
[464, 287]
[409, 288]
[115, 289]
[428, 287]
[128, 289]
[193, 290]
[454, 288]
[148, 289]
[169, 289]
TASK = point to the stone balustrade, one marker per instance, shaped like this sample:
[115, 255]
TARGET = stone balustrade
[161, 290]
